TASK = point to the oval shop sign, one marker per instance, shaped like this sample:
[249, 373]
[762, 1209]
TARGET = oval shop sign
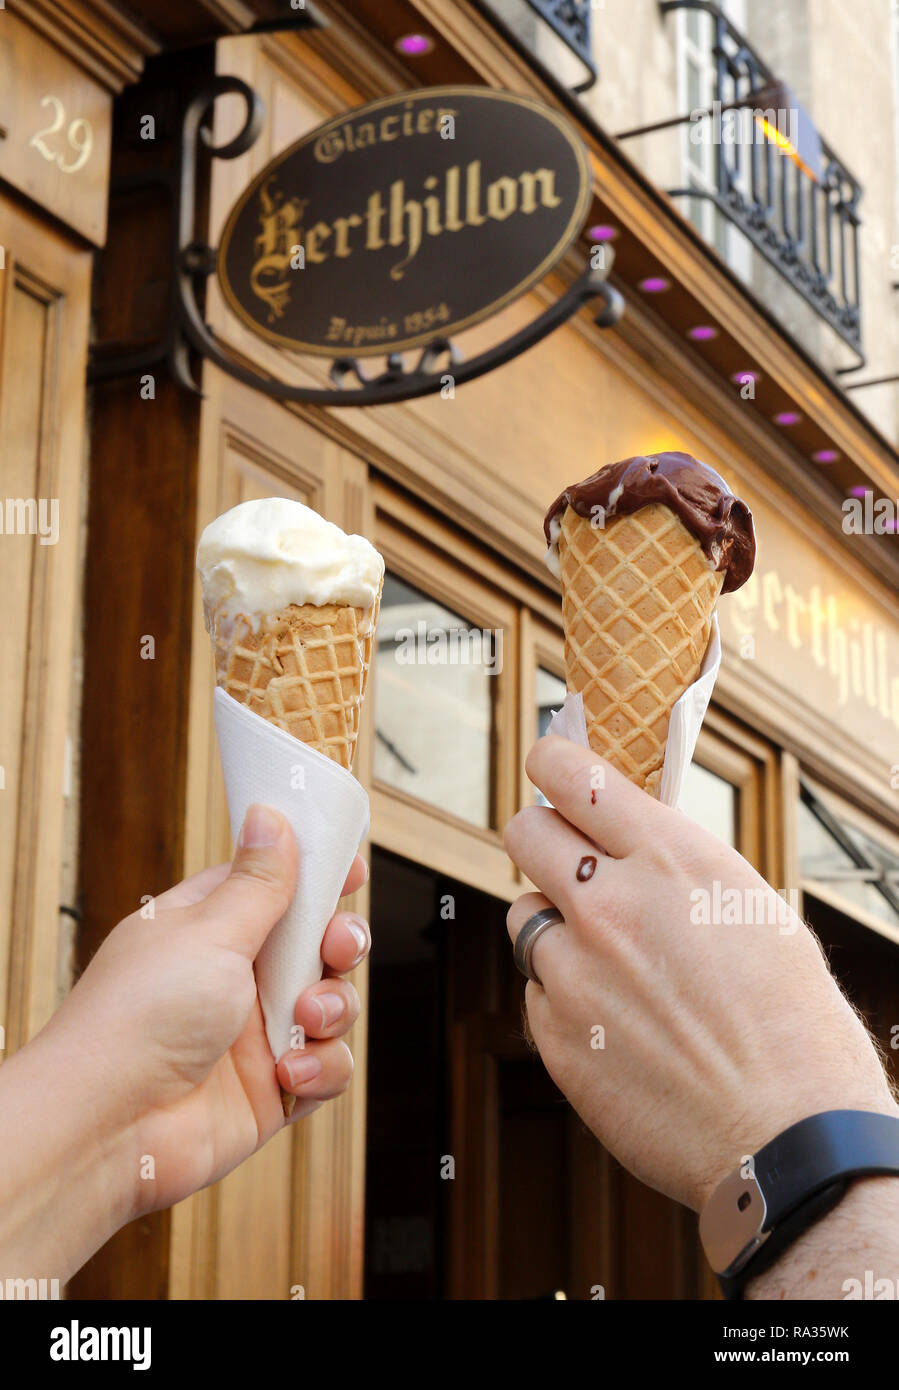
[413, 217]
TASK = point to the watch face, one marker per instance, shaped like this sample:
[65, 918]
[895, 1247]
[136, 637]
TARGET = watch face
[732, 1222]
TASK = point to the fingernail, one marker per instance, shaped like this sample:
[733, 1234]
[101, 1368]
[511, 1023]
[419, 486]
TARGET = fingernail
[360, 936]
[302, 1068]
[260, 829]
[331, 1006]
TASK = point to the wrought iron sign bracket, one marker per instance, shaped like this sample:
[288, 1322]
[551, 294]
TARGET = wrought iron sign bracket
[437, 363]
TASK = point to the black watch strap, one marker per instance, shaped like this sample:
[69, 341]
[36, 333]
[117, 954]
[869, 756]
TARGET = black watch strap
[754, 1214]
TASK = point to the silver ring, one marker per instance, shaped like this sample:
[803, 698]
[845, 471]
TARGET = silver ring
[526, 939]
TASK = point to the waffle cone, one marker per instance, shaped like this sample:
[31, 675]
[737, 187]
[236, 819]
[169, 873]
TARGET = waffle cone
[637, 602]
[305, 669]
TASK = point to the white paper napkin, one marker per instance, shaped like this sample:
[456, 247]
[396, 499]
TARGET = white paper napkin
[329, 814]
[683, 728]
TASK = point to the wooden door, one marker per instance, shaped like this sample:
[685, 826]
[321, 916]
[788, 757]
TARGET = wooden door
[538, 1208]
[44, 295]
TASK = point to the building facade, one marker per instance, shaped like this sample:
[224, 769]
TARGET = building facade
[419, 1182]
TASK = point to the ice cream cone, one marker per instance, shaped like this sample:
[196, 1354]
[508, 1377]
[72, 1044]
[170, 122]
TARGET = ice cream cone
[291, 604]
[303, 668]
[638, 596]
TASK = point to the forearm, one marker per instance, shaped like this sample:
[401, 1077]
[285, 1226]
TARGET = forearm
[65, 1182]
[844, 1253]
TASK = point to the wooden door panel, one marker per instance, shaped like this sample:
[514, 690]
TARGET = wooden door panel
[26, 322]
[538, 1206]
[44, 291]
[56, 122]
[254, 1225]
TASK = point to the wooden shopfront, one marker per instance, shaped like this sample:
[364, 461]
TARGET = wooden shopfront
[420, 1181]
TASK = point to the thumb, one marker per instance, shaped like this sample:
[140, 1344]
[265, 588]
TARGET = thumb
[245, 906]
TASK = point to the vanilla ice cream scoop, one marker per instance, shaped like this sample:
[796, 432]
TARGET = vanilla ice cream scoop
[265, 554]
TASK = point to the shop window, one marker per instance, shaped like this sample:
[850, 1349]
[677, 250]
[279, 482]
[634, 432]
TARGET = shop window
[434, 703]
[711, 801]
[550, 697]
[844, 863]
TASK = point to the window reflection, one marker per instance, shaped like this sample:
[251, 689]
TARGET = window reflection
[711, 801]
[550, 697]
[434, 698]
[845, 860]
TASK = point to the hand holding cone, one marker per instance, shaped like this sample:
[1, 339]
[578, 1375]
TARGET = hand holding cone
[291, 603]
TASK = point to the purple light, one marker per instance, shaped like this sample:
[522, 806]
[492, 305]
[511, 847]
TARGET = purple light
[702, 333]
[892, 523]
[413, 45]
[602, 233]
[741, 378]
[825, 456]
[654, 284]
[787, 417]
[859, 491]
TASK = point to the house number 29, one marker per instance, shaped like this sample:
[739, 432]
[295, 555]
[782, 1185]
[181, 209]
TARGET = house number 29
[80, 136]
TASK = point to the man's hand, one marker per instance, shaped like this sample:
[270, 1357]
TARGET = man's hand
[684, 1046]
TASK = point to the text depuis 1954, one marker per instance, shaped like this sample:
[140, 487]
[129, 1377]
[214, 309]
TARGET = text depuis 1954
[343, 333]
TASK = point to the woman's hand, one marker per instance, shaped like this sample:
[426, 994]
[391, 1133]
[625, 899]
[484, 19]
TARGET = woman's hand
[169, 1014]
[683, 1043]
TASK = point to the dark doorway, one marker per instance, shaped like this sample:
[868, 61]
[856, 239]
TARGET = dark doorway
[482, 1183]
[406, 1124]
[866, 965]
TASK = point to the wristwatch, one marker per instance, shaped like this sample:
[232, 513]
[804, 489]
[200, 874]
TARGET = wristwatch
[777, 1193]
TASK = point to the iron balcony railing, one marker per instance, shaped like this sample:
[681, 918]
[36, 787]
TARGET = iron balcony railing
[571, 21]
[804, 221]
